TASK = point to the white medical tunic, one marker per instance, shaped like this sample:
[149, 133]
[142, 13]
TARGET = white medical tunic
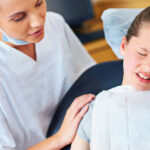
[31, 90]
[119, 119]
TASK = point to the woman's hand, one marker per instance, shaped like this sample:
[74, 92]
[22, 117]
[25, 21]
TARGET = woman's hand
[72, 119]
[69, 126]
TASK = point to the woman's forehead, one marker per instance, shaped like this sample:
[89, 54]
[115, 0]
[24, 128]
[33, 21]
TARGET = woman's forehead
[17, 3]
[8, 7]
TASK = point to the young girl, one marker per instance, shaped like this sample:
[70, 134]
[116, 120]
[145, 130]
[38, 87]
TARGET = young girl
[40, 58]
[119, 119]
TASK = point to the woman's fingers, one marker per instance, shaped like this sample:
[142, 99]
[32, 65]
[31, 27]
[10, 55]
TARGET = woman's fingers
[80, 115]
[73, 116]
[79, 103]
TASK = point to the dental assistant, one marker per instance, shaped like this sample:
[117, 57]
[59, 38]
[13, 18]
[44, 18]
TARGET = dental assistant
[40, 58]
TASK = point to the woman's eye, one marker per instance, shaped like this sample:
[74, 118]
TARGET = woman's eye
[39, 3]
[19, 17]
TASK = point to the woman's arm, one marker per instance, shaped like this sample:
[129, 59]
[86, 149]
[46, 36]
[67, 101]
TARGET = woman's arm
[79, 144]
[52, 143]
[69, 126]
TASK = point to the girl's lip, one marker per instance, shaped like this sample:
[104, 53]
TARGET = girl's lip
[37, 33]
[141, 79]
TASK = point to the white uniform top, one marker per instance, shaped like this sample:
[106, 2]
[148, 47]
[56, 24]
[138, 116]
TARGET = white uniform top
[120, 120]
[31, 90]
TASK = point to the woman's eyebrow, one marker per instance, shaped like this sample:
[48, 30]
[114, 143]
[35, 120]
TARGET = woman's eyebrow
[11, 16]
[37, 1]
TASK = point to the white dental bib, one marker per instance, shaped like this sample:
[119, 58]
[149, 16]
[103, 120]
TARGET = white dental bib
[121, 120]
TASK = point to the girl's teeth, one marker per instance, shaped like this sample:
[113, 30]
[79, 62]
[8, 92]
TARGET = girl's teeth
[142, 76]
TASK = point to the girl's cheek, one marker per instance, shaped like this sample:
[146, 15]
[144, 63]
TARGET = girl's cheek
[130, 63]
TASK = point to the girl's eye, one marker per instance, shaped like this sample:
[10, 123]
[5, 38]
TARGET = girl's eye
[19, 17]
[142, 54]
[39, 3]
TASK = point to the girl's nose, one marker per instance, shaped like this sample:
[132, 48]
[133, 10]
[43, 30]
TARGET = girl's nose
[147, 66]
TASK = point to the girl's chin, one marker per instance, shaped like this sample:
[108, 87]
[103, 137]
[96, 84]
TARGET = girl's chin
[137, 87]
[141, 88]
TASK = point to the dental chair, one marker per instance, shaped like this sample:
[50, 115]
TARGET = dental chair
[97, 78]
[76, 12]
[102, 76]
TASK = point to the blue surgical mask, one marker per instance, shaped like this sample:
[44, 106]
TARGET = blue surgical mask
[12, 40]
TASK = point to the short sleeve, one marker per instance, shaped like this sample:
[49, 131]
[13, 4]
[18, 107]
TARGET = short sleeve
[84, 130]
[7, 141]
[81, 58]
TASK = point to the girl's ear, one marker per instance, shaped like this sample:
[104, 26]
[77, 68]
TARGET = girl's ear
[123, 46]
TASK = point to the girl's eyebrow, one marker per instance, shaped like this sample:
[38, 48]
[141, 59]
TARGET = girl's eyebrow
[145, 49]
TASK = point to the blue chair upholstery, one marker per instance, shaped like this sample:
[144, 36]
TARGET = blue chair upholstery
[100, 77]
[75, 13]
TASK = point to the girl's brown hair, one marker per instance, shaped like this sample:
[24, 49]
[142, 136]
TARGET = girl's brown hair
[142, 17]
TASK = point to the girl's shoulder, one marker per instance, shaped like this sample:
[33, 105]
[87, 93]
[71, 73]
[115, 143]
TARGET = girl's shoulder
[112, 95]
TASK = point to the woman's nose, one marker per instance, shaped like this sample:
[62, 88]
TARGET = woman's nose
[35, 20]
